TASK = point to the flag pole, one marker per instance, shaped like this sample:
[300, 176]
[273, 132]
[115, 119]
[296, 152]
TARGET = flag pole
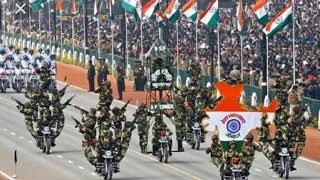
[218, 37]
[40, 26]
[141, 43]
[178, 61]
[112, 46]
[241, 58]
[293, 42]
[29, 19]
[49, 9]
[127, 53]
[72, 37]
[98, 34]
[4, 21]
[267, 66]
[197, 39]
[61, 22]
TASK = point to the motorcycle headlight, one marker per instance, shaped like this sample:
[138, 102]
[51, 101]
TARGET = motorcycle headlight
[284, 150]
[108, 153]
[196, 125]
[46, 129]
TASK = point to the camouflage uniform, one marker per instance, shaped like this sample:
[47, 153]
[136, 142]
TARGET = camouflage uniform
[126, 137]
[298, 134]
[179, 119]
[195, 70]
[45, 75]
[264, 136]
[141, 116]
[105, 134]
[104, 96]
[159, 126]
[33, 98]
[58, 116]
[248, 152]
[215, 151]
[28, 113]
[281, 123]
[117, 119]
[227, 159]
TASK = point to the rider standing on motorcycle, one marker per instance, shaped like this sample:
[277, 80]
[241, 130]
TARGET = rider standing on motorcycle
[33, 98]
[215, 151]
[45, 74]
[227, 158]
[102, 90]
[264, 135]
[248, 152]
[159, 126]
[28, 115]
[141, 115]
[117, 119]
[281, 123]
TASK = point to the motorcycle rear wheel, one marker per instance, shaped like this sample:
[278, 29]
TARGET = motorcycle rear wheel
[165, 154]
[198, 142]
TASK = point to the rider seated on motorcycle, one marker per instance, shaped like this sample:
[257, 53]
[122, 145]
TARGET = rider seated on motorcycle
[226, 166]
[159, 126]
[2, 51]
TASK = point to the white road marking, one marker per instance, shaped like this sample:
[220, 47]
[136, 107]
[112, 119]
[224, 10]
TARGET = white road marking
[5, 129]
[258, 170]
[6, 175]
[59, 156]
[274, 176]
[93, 174]
[80, 167]
[30, 141]
[13, 133]
[134, 106]
[21, 137]
[70, 162]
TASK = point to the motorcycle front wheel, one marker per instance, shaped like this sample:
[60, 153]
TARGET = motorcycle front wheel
[165, 155]
[287, 169]
[198, 142]
[109, 172]
[48, 144]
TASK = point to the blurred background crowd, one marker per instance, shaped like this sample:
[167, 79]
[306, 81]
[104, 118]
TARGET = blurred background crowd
[307, 37]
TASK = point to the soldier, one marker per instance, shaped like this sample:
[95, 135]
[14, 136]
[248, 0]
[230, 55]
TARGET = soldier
[120, 78]
[105, 123]
[109, 95]
[141, 115]
[159, 126]
[102, 71]
[281, 123]
[215, 151]
[195, 70]
[90, 76]
[33, 98]
[117, 119]
[248, 152]
[27, 110]
[138, 74]
[44, 103]
[102, 96]
[227, 158]
[264, 135]
[179, 119]
[294, 99]
[45, 74]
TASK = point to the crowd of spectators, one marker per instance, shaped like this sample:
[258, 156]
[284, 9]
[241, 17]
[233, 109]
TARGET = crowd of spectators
[307, 42]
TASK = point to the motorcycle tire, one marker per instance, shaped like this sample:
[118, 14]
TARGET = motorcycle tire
[287, 169]
[48, 145]
[281, 174]
[165, 155]
[44, 149]
[110, 171]
[198, 142]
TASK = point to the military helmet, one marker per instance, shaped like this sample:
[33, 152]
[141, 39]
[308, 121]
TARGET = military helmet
[232, 142]
[215, 136]
[28, 104]
[249, 136]
[116, 110]
[93, 110]
[142, 105]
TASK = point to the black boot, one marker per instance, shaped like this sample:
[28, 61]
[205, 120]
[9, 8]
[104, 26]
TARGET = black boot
[52, 142]
[37, 143]
[180, 146]
[170, 147]
[154, 149]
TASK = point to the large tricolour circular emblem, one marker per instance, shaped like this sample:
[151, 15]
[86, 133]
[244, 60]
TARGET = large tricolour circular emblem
[194, 7]
[233, 126]
[266, 7]
[279, 20]
[213, 10]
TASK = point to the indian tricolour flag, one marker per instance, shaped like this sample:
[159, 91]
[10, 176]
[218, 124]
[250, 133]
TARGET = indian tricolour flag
[239, 20]
[279, 21]
[150, 8]
[190, 10]
[231, 119]
[112, 7]
[37, 4]
[138, 12]
[73, 7]
[173, 11]
[58, 7]
[261, 11]
[161, 19]
[210, 16]
[129, 5]
[96, 10]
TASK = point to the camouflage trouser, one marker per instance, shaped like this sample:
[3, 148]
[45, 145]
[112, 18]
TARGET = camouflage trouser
[246, 166]
[180, 130]
[265, 150]
[86, 148]
[143, 136]
[60, 125]
[216, 161]
[122, 152]
[118, 131]
[105, 140]
[29, 126]
[301, 139]
[281, 133]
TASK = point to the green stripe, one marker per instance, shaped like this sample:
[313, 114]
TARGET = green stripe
[242, 30]
[263, 20]
[214, 20]
[280, 26]
[128, 7]
[194, 17]
[175, 16]
[225, 145]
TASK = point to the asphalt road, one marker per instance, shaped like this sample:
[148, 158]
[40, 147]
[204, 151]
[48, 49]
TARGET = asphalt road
[67, 160]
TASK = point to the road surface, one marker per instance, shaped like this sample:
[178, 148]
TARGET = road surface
[67, 160]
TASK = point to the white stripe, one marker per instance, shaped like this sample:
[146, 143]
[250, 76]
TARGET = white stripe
[262, 11]
[208, 16]
[190, 12]
[281, 18]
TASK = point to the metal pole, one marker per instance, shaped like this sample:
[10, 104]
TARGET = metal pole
[241, 58]
[267, 67]
[40, 26]
[29, 19]
[218, 34]
[98, 35]
[293, 42]
[112, 45]
[211, 43]
[127, 53]
[197, 39]
[72, 34]
[49, 9]
[141, 43]
[61, 24]
[21, 29]
[264, 66]
[1, 11]
[178, 60]
[85, 12]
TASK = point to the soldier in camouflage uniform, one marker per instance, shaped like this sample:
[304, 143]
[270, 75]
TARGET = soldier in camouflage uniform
[227, 158]
[248, 152]
[195, 71]
[215, 151]
[105, 134]
[45, 76]
[280, 121]
[117, 119]
[105, 96]
[33, 98]
[27, 111]
[264, 135]
[159, 126]
[141, 115]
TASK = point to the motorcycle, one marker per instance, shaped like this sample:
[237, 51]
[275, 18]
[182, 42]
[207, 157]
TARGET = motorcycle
[109, 166]
[45, 140]
[18, 79]
[4, 79]
[237, 173]
[282, 165]
[163, 153]
[33, 82]
[195, 137]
